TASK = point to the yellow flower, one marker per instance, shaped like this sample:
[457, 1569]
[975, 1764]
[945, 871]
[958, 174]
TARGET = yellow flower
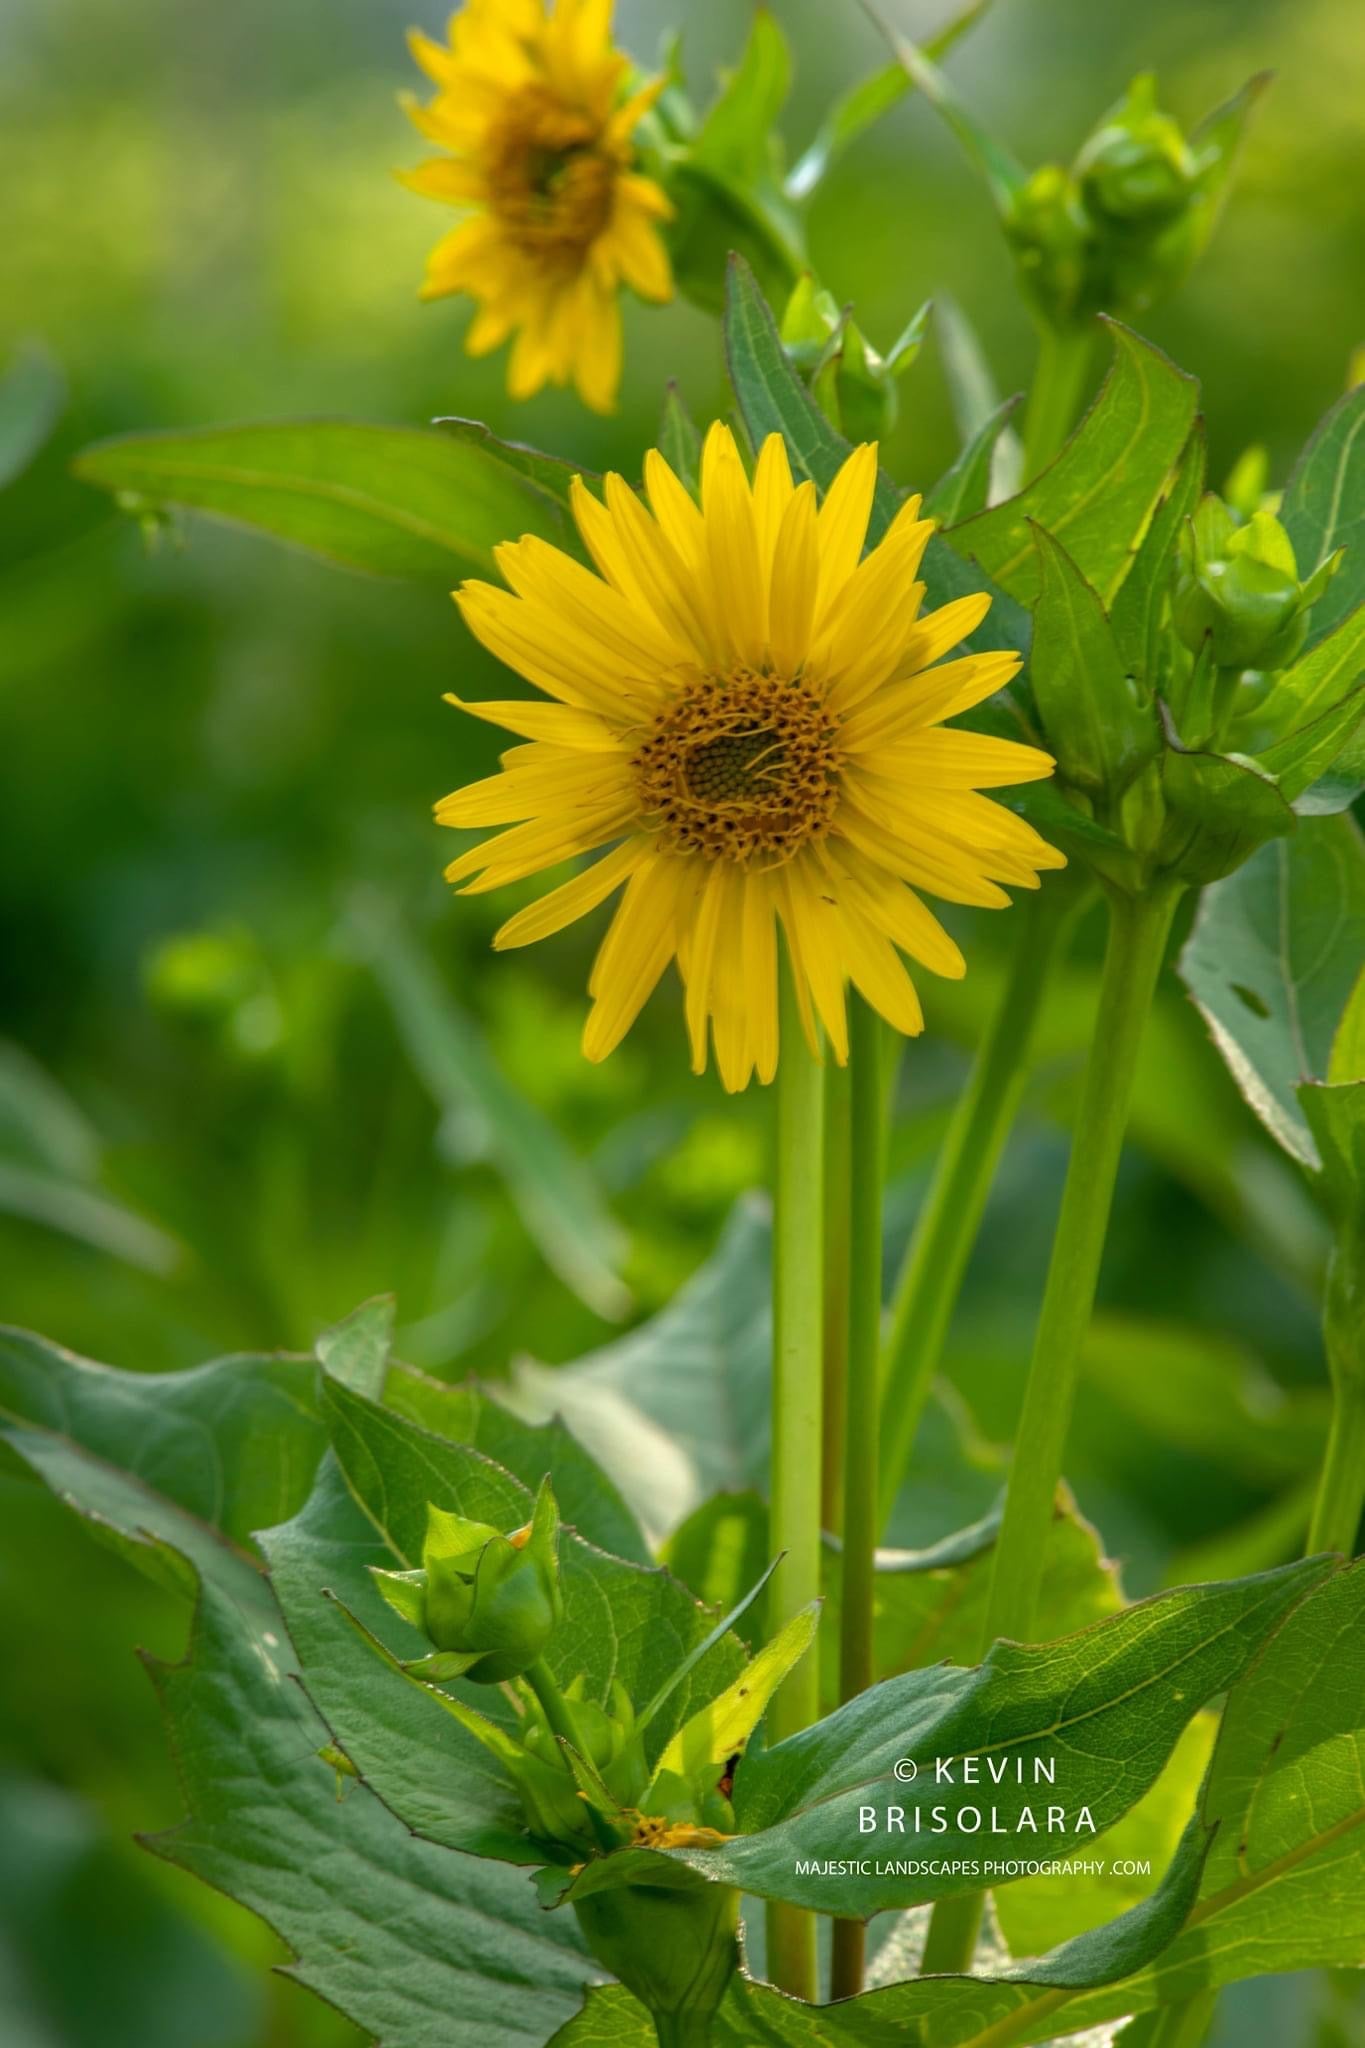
[750, 717]
[528, 104]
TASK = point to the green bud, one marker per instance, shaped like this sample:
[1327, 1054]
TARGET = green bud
[854, 384]
[676, 1947]
[1136, 168]
[488, 1602]
[1237, 590]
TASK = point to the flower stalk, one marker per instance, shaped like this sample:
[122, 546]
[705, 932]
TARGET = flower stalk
[950, 1217]
[1064, 356]
[1138, 929]
[1341, 1485]
[798, 1287]
[857, 1670]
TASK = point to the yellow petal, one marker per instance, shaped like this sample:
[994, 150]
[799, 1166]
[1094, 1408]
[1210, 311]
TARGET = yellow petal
[795, 579]
[558, 723]
[573, 899]
[843, 522]
[635, 952]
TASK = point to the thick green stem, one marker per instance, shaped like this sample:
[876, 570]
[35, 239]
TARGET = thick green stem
[683, 2029]
[1063, 360]
[1138, 930]
[948, 1221]
[861, 1521]
[838, 1165]
[798, 1242]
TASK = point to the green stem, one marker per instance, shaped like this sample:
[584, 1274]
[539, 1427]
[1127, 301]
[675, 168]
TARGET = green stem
[552, 1703]
[1063, 360]
[683, 2029]
[861, 1520]
[1138, 930]
[1341, 1488]
[945, 1230]
[798, 1241]
[838, 1166]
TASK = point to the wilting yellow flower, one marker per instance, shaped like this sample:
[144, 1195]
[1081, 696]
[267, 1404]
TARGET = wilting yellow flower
[749, 716]
[529, 104]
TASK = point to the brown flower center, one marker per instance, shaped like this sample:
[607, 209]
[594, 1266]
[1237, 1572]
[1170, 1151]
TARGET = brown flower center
[741, 765]
[550, 185]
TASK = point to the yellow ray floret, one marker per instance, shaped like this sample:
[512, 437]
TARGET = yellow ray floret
[745, 722]
[534, 115]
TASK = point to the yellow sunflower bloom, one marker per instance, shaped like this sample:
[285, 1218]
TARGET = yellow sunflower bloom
[529, 107]
[749, 714]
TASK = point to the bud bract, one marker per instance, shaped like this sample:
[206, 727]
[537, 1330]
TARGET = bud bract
[488, 1602]
[675, 1946]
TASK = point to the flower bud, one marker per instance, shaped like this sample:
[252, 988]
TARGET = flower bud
[488, 1602]
[1136, 168]
[855, 385]
[1237, 590]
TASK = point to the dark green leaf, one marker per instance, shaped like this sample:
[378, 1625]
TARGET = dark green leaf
[1102, 1707]
[964, 489]
[1099, 494]
[588, 1501]
[356, 1350]
[394, 1932]
[393, 501]
[1095, 722]
[235, 1442]
[1324, 508]
[621, 1621]
[555, 1193]
[1271, 962]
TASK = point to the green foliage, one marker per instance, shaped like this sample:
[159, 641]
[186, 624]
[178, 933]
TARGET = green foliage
[391, 501]
[1271, 963]
[1322, 508]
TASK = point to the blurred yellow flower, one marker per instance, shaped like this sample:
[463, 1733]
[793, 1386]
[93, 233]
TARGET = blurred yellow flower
[748, 714]
[529, 106]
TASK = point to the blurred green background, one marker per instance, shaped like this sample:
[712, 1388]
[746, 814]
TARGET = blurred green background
[259, 1065]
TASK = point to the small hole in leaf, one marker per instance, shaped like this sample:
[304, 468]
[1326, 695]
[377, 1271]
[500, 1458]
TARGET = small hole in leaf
[1256, 1004]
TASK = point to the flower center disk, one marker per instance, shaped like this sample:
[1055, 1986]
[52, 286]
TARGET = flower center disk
[741, 766]
[550, 186]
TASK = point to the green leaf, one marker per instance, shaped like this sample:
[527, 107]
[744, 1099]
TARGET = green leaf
[1103, 1709]
[234, 1442]
[1266, 1880]
[964, 489]
[739, 129]
[930, 1604]
[1099, 494]
[356, 1350]
[1271, 962]
[1227, 804]
[621, 1621]
[1301, 759]
[391, 501]
[1317, 683]
[1004, 176]
[856, 110]
[1336, 1117]
[721, 1547]
[1100, 730]
[391, 1931]
[32, 394]
[473, 1415]
[555, 1193]
[1137, 611]
[679, 440]
[1324, 509]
